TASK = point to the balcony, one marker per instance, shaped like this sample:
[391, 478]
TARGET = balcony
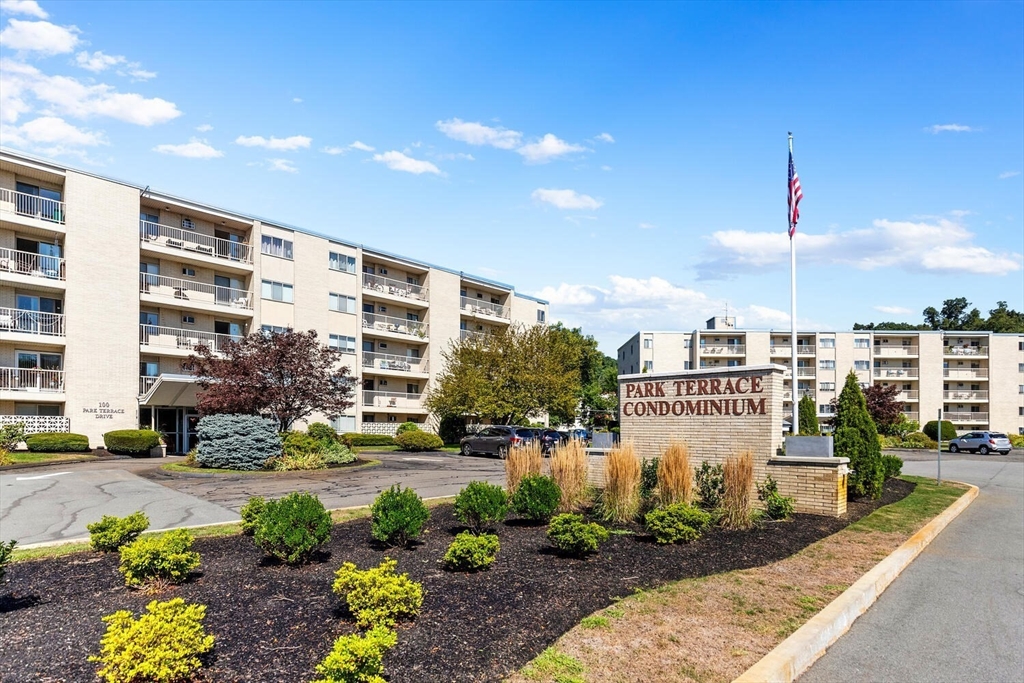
[805, 372]
[723, 349]
[31, 325]
[898, 351]
[180, 342]
[387, 326]
[392, 289]
[784, 351]
[907, 396]
[187, 244]
[965, 395]
[31, 380]
[388, 400]
[32, 207]
[145, 384]
[471, 334]
[481, 308]
[788, 395]
[191, 294]
[805, 349]
[965, 351]
[965, 373]
[895, 372]
[912, 416]
[391, 363]
[31, 269]
[973, 418]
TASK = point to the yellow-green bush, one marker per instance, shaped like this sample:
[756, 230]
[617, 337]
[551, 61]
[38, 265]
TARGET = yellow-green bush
[356, 658]
[469, 552]
[168, 557]
[110, 533]
[378, 596]
[160, 646]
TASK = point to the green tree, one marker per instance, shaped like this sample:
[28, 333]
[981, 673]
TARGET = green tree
[808, 421]
[957, 315]
[857, 439]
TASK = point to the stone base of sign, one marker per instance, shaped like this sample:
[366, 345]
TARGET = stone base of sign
[816, 485]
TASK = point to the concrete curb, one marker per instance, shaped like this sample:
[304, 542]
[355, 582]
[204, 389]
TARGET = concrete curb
[796, 653]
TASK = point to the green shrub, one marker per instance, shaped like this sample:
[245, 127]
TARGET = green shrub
[293, 528]
[337, 453]
[918, 440]
[1016, 440]
[418, 441]
[648, 478]
[251, 513]
[573, 536]
[353, 439]
[299, 444]
[167, 557]
[313, 460]
[163, 645]
[324, 433]
[407, 427]
[892, 466]
[131, 441]
[378, 596]
[931, 430]
[807, 424]
[11, 435]
[481, 505]
[776, 506]
[5, 458]
[57, 442]
[469, 552]
[710, 483]
[6, 551]
[397, 516]
[237, 442]
[536, 498]
[856, 438]
[677, 523]
[357, 658]
[110, 533]
[452, 428]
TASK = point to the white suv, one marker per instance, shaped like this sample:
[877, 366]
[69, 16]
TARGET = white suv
[982, 442]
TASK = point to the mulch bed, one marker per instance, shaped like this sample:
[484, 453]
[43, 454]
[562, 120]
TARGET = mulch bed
[274, 623]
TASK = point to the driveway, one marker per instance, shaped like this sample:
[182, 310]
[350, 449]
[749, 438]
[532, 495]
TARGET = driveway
[957, 613]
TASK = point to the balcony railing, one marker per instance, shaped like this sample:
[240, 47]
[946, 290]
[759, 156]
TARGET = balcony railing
[709, 349]
[387, 285]
[965, 417]
[966, 350]
[386, 323]
[907, 395]
[805, 372]
[471, 334]
[145, 384]
[483, 307]
[392, 400]
[805, 349]
[194, 292]
[896, 372]
[881, 350]
[965, 373]
[30, 205]
[965, 395]
[911, 416]
[388, 361]
[32, 380]
[786, 351]
[35, 265]
[35, 424]
[186, 340]
[190, 240]
[31, 322]
[787, 395]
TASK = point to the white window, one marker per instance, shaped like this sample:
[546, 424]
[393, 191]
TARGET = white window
[188, 272]
[188, 320]
[342, 303]
[732, 363]
[827, 386]
[827, 364]
[1021, 388]
[861, 343]
[37, 409]
[342, 343]
[540, 316]
[826, 409]
[648, 343]
[1020, 411]
[346, 264]
[827, 343]
[276, 246]
[648, 365]
[686, 365]
[861, 365]
[343, 424]
[273, 329]
[276, 291]
[1020, 367]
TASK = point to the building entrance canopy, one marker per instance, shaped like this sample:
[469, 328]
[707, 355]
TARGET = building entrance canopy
[175, 391]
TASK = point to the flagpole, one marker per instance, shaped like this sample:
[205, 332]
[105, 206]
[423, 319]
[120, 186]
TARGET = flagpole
[794, 383]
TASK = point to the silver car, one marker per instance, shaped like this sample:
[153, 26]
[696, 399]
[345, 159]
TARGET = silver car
[981, 442]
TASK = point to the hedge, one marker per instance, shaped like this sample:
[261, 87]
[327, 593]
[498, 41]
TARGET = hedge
[131, 441]
[419, 441]
[352, 439]
[57, 442]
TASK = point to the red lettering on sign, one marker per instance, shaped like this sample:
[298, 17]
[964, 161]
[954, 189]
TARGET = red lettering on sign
[755, 385]
[702, 386]
[755, 408]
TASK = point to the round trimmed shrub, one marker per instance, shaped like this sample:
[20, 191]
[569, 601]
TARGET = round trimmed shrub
[470, 553]
[168, 557]
[418, 441]
[293, 528]
[251, 513]
[110, 533]
[892, 465]
[299, 445]
[357, 658]
[131, 441]
[397, 516]
[931, 430]
[481, 505]
[337, 453]
[574, 536]
[536, 498]
[378, 596]
[677, 523]
[236, 442]
[57, 442]
[322, 432]
[407, 427]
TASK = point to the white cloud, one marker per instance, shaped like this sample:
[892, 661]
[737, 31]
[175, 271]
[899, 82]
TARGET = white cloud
[605, 137]
[476, 133]
[39, 36]
[361, 146]
[907, 245]
[646, 226]
[547, 148]
[455, 156]
[949, 128]
[566, 199]
[281, 165]
[288, 144]
[1008, 174]
[98, 61]
[397, 161]
[193, 149]
[29, 7]
[606, 168]
[51, 130]
[334, 150]
[297, 100]
[960, 213]
[137, 72]
[893, 310]
[204, 128]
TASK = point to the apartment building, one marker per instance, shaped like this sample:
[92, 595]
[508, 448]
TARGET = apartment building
[106, 286]
[975, 378]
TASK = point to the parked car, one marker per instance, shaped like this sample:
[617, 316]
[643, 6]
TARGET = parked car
[981, 442]
[494, 440]
[580, 434]
[551, 438]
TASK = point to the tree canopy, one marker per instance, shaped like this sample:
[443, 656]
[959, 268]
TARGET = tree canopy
[599, 378]
[956, 315]
[288, 375]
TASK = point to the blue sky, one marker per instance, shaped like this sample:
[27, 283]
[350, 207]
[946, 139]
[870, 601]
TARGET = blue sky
[625, 161]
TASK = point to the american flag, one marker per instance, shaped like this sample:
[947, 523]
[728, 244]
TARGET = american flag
[795, 195]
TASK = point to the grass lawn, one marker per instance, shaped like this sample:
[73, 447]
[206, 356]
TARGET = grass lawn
[23, 457]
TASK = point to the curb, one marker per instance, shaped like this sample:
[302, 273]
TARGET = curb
[18, 466]
[795, 654]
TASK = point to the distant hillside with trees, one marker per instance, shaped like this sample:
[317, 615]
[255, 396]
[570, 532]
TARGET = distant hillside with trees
[955, 317]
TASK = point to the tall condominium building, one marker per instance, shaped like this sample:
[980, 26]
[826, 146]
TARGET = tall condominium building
[106, 286]
[975, 378]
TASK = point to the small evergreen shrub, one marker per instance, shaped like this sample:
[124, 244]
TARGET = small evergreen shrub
[1016, 440]
[407, 427]
[353, 439]
[168, 557]
[418, 441]
[131, 441]
[481, 505]
[110, 533]
[337, 453]
[313, 460]
[892, 466]
[776, 506]
[299, 444]
[6, 551]
[5, 457]
[677, 523]
[11, 435]
[469, 552]
[293, 528]
[324, 433]
[397, 516]
[161, 646]
[237, 442]
[357, 658]
[536, 498]
[251, 514]
[931, 430]
[710, 485]
[378, 596]
[573, 536]
[57, 442]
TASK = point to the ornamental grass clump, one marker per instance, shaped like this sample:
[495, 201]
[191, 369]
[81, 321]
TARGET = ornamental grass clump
[397, 516]
[357, 658]
[521, 463]
[738, 478]
[571, 535]
[537, 498]
[569, 470]
[110, 533]
[675, 476]
[481, 505]
[378, 596]
[168, 557]
[621, 498]
[293, 528]
[470, 553]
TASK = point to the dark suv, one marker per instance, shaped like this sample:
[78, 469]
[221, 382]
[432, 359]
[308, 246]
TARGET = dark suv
[495, 440]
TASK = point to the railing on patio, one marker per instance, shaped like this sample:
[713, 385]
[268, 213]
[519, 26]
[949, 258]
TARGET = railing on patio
[887, 350]
[32, 206]
[471, 334]
[37, 424]
[896, 372]
[392, 399]
[777, 350]
[386, 323]
[145, 384]
[388, 361]
[965, 350]
[483, 307]
[965, 417]
[965, 373]
[709, 349]
[387, 285]
[805, 349]
[177, 338]
[190, 240]
[907, 396]
[195, 292]
[32, 379]
[965, 395]
[31, 322]
[34, 265]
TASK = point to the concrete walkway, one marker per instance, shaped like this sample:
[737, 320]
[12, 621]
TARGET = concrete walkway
[957, 613]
